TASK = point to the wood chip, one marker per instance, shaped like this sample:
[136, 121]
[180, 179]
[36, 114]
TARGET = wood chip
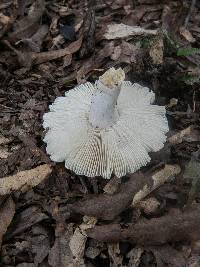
[115, 31]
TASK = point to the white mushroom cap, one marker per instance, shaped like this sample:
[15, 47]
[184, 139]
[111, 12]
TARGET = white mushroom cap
[92, 148]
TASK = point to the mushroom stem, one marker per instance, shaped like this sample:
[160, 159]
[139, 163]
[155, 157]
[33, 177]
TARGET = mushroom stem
[103, 112]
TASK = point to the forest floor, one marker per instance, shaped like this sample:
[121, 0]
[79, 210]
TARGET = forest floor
[51, 217]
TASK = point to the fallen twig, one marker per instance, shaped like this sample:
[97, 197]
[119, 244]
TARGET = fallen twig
[176, 226]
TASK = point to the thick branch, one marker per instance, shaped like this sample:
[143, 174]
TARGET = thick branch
[176, 226]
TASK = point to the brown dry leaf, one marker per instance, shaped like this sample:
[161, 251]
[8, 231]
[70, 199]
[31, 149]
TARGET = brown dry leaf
[60, 254]
[35, 42]
[187, 35]
[149, 205]
[134, 255]
[94, 62]
[24, 179]
[28, 25]
[125, 53]
[4, 19]
[29, 58]
[7, 211]
[116, 31]
[175, 226]
[4, 140]
[79, 238]
[114, 253]
[156, 51]
[158, 178]
[4, 153]
[178, 137]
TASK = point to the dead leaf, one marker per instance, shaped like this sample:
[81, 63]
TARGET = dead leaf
[187, 35]
[29, 58]
[158, 178]
[4, 19]
[149, 205]
[156, 51]
[24, 179]
[116, 31]
[7, 211]
[178, 137]
[94, 62]
[125, 53]
[134, 257]
[28, 25]
[25, 220]
[4, 153]
[60, 254]
[79, 238]
[4, 140]
[35, 42]
[114, 253]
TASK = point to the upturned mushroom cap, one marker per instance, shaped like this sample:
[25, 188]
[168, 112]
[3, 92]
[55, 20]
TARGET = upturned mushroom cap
[122, 147]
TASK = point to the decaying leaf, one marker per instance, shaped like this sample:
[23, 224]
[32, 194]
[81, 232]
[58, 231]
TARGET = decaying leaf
[156, 51]
[24, 179]
[31, 58]
[115, 31]
[28, 25]
[134, 256]
[149, 205]
[178, 137]
[126, 53]
[114, 253]
[60, 254]
[7, 211]
[79, 238]
[192, 172]
[4, 140]
[175, 226]
[4, 153]
[35, 41]
[158, 179]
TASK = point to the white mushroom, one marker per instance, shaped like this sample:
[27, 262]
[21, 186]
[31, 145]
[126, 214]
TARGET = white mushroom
[105, 128]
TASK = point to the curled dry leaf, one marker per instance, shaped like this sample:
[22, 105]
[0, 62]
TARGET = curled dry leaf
[175, 226]
[35, 42]
[79, 238]
[126, 53]
[135, 189]
[157, 180]
[156, 51]
[24, 179]
[4, 140]
[7, 211]
[29, 58]
[179, 137]
[116, 31]
[149, 205]
[28, 25]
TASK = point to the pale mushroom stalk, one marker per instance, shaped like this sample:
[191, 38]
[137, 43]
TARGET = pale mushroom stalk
[103, 112]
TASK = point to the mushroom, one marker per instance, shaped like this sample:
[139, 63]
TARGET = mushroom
[109, 127]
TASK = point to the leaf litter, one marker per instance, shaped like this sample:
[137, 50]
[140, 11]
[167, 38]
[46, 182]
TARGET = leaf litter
[49, 215]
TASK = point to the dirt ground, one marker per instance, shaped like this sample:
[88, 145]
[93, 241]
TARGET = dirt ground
[51, 217]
